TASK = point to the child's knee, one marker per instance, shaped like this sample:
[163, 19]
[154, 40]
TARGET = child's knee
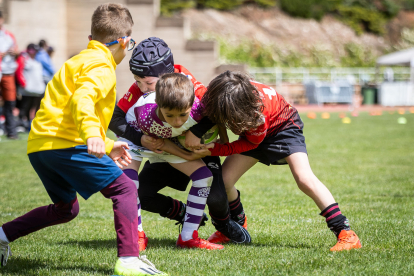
[306, 182]
[68, 211]
[229, 182]
[126, 186]
[229, 188]
[202, 177]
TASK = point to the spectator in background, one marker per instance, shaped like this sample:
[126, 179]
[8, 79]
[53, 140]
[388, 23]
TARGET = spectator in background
[30, 81]
[44, 58]
[50, 51]
[8, 52]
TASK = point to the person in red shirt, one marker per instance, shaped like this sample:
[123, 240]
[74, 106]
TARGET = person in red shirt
[271, 132]
[151, 59]
[8, 65]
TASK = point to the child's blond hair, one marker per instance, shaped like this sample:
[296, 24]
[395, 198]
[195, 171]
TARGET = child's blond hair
[110, 22]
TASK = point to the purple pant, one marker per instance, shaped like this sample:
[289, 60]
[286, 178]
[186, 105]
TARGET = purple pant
[123, 194]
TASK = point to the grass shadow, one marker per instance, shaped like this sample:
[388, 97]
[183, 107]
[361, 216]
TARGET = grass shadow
[111, 243]
[161, 243]
[24, 266]
[271, 242]
[92, 244]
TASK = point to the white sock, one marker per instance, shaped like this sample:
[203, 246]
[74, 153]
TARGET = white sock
[187, 234]
[196, 201]
[128, 259]
[3, 235]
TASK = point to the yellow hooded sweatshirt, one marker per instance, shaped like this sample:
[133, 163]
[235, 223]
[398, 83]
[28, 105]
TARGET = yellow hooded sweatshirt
[78, 104]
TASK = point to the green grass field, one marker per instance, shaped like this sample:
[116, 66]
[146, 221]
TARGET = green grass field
[368, 165]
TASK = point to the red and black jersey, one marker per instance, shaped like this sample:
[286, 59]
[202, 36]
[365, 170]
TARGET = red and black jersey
[134, 93]
[277, 115]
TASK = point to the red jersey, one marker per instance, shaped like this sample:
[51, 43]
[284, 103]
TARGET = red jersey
[277, 115]
[134, 93]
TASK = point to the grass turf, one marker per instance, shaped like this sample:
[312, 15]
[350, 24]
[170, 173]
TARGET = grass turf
[368, 165]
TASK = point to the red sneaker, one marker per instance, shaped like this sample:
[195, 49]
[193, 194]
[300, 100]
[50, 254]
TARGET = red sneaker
[245, 222]
[347, 240]
[142, 241]
[196, 242]
[218, 237]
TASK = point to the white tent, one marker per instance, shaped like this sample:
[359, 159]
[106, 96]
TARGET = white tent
[404, 57]
[397, 93]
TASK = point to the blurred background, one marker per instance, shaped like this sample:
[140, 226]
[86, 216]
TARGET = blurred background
[351, 53]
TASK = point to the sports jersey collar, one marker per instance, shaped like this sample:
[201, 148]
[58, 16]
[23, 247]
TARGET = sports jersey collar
[155, 115]
[96, 45]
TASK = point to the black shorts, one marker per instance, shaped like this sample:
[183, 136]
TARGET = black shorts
[274, 149]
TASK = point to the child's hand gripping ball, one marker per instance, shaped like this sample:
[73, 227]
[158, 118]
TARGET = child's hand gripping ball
[209, 137]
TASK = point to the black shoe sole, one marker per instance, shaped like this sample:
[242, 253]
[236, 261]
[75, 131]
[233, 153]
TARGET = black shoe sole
[247, 237]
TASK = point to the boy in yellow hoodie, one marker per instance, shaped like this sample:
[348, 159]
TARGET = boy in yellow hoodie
[68, 147]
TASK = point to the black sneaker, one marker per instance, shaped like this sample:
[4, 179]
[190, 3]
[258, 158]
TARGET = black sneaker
[230, 231]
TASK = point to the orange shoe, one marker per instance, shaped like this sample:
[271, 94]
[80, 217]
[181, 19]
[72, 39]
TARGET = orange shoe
[347, 240]
[218, 237]
[142, 241]
[245, 222]
[196, 242]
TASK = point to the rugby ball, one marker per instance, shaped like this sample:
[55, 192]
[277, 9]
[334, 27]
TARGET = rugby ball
[209, 137]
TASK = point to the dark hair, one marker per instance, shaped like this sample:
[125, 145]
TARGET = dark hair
[232, 100]
[1, 14]
[110, 22]
[32, 46]
[42, 43]
[174, 91]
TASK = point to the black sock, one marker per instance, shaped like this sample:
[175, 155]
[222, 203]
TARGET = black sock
[177, 211]
[335, 220]
[237, 211]
[219, 222]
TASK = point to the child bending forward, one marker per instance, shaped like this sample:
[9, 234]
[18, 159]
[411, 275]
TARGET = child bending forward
[271, 132]
[166, 113]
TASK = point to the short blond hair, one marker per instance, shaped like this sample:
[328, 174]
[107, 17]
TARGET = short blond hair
[111, 21]
[174, 91]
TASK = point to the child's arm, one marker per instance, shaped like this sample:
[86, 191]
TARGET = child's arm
[120, 127]
[235, 147]
[119, 124]
[91, 87]
[119, 154]
[194, 134]
[250, 141]
[172, 148]
[224, 138]
[19, 72]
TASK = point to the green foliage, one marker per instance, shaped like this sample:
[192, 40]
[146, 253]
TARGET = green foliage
[256, 54]
[357, 56]
[168, 7]
[308, 8]
[388, 8]
[391, 9]
[406, 40]
[266, 3]
[361, 15]
[252, 53]
[407, 4]
[219, 5]
[363, 19]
